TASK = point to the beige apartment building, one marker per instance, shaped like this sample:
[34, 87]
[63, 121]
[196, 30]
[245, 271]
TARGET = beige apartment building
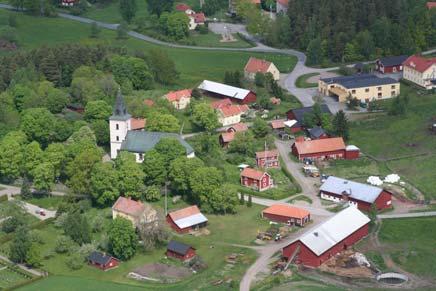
[421, 71]
[365, 87]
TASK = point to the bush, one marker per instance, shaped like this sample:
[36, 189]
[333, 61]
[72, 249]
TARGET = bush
[86, 249]
[11, 224]
[36, 236]
[63, 244]
[97, 224]
[60, 220]
[75, 261]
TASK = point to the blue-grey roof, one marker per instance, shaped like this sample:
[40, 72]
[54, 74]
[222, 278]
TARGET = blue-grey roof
[299, 112]
[99, 258]
[144, 141]
[393, 61]
[359, 81]
[316, 132]
[178, 247]
[120, 110]
[358, 191]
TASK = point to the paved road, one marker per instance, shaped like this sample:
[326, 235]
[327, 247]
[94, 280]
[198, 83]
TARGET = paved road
[407, 215]
[23, 267]
[13, 190]
[32, 209]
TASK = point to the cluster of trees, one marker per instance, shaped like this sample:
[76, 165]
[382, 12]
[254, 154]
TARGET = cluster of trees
[174, 24]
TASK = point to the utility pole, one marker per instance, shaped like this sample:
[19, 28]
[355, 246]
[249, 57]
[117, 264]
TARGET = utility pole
[166, 198]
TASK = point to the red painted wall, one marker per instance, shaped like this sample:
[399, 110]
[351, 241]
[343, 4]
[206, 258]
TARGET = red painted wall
[250, 98]
[388, 70]
[380, 202]
[248, 182]
[111, 264]
[308, 258]
[285, 219]
[175, 227]
[189, 254]
[273, 162]
[318, 155]
[383, 199]
[352, 155]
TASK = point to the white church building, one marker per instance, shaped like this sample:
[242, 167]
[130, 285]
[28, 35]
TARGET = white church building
[138, 142]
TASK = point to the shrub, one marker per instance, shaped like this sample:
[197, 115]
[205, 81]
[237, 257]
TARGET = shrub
[36, 236]
[75, 261]
[11, 224]
[97, 224]
[63, 244]
[86, 249]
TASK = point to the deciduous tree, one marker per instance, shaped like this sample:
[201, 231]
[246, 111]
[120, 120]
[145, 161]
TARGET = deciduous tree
[122, 238]
[104, 183]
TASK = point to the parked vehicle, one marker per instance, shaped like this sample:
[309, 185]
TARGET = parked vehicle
[311, 171]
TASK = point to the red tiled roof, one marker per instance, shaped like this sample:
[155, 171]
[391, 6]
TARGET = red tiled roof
[177, 95]
[220, 103]
[276, 124]
[253, 174]
[286, 210]
[283, 2]
[255, 65]
[268, 154]
[137, 123]
[199, 17]
[182, 7]
[320, 145]
[232, 110]
[431, 5]
[419, 63]
[183, 213]
[239, 127]
[129, 206]
[228, 136]
[149, 102]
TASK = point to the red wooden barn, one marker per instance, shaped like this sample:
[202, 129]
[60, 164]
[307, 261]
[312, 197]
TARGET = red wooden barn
[326, 240]
[186, 219]
[327, 148]
[288, 214]
[356, 194]
[180, 251]
[390, 65]
[102, 261]
[268, 159]
[257, 180]
[219, 90]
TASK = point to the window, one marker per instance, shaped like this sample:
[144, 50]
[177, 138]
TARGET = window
[141, 157]
[379, 88]
[379, 95]
[393, 93]
[353, 91]
[393, 87]
[118, 138]
[367, 90]
[117, 126]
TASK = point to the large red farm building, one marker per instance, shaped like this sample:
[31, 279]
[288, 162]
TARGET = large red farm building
[219, 90]
[323, 149]
[326, 240]
[186, 219]
[356, 194]
[257, 180]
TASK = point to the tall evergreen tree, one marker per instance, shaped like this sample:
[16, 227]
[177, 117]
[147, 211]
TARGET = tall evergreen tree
[340, 125]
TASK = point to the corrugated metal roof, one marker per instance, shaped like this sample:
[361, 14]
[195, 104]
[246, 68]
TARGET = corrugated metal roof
[191, 220]
[358, 191]
[334, 230]
[144, 141]
[223, 89]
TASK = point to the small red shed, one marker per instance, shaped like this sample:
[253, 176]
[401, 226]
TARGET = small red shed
[180, 251]
[333, 236]
[390, 65]
[257, 180]
[352, 152]
[288, 214]
[102, 261]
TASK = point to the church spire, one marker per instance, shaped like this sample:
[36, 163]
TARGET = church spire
[120, 110]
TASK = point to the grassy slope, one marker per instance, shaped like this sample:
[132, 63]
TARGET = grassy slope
[413, 244]
[194, 65]
[388, 137]
[302, 81]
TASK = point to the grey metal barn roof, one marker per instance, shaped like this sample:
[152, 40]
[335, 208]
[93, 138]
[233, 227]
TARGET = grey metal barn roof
[393, 61]
[359, 81]
[178, 247]
[359, 191]
[144, 141]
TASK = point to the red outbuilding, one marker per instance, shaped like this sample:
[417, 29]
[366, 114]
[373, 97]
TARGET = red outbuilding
[186, 219]
[257, 180]
[390, 65]
[320, 149]
[180, 251]
[227, 137]
[102, 261]
[352, 152]
[268, 159]
[328, 239]
[288, 214]
[363, 196]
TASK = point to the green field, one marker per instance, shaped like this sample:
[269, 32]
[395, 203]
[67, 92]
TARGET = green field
[411, 244]
[389, 137]
[50, 203]
[303, 83]
[193, 65]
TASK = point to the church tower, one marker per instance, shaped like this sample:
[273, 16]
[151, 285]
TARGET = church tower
[119, 125]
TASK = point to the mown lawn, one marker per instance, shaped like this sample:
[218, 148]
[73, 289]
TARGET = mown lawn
[303, 83]
[355, 169]
[50, 203]
[193, 65]
[411, 244]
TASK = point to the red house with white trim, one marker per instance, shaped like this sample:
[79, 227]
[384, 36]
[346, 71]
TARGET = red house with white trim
[356, 194]
[268, 159]
[102, 261]
[321, 243]
[257, 180]
[180, 251]
[186, 219]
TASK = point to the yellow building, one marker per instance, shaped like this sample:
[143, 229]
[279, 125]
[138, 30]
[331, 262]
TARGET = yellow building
[255, 66]
[365, 87]
[135, 211]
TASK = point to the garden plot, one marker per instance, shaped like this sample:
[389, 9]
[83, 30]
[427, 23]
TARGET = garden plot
[10, 277]
[160, 273]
